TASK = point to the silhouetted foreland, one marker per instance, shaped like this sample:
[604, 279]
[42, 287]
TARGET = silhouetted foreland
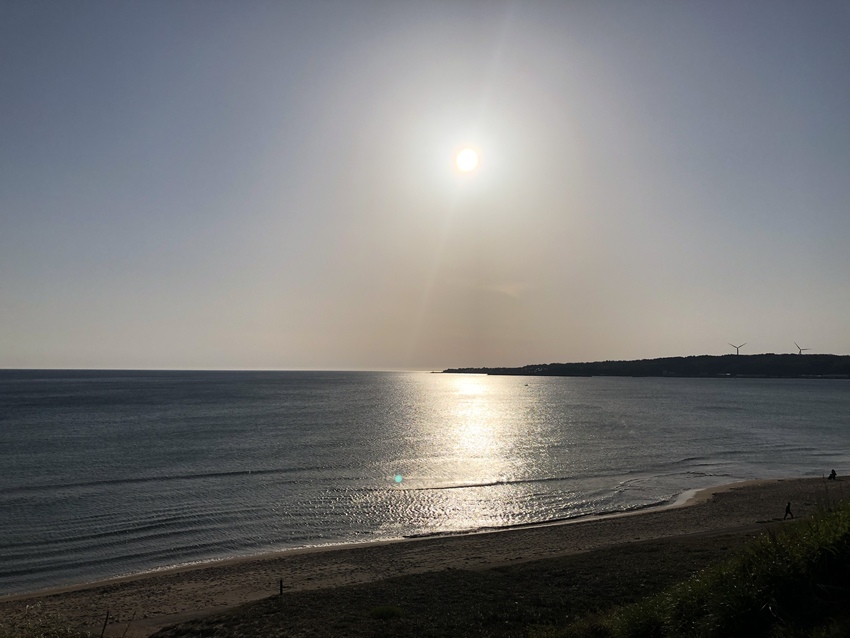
[786, 366]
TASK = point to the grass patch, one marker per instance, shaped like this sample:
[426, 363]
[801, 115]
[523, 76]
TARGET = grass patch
[386, 612]
[36, 623]
[782, 585]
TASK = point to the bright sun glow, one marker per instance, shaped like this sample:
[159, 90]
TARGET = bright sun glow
[466, 160]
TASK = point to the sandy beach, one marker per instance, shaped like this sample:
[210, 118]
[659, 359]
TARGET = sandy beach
[158, 599]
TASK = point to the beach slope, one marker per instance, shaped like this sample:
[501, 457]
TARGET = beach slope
[708, 526]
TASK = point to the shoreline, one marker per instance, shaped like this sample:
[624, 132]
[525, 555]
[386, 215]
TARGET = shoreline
[164, 597]
[684, 499]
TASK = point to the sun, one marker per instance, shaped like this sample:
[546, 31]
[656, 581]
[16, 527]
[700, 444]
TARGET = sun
[466, 160]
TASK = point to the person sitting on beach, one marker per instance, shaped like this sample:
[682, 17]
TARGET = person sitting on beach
[832, 475]
[788, 511]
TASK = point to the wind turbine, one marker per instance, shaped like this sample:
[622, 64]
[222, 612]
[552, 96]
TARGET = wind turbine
[737, 348]
[800, 350]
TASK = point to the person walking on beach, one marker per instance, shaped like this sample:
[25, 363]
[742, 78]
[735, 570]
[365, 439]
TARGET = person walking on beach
[832, 475]
[788, 511]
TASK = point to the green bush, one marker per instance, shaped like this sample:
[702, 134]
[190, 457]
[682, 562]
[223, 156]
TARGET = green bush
[794, 583]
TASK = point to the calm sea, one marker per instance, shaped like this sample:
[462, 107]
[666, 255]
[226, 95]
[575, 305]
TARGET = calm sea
[108, 473]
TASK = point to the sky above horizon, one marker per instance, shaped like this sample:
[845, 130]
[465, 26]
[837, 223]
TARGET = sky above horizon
[270, 185]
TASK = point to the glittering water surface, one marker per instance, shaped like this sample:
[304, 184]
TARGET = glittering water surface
[107, 473]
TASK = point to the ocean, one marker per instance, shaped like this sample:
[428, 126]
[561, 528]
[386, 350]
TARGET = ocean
[107, 473]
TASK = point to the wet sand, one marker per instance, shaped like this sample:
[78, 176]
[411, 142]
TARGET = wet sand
[157, 599]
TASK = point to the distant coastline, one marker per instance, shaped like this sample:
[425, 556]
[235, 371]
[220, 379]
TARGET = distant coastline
[758, 366]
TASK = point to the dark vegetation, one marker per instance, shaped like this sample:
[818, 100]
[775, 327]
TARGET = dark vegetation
[731, 365]
[796, 583]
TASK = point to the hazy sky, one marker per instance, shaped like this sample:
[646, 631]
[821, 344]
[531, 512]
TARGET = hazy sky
[201, 184]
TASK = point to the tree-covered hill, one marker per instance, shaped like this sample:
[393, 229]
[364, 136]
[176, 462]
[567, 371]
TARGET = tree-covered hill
[730, 365]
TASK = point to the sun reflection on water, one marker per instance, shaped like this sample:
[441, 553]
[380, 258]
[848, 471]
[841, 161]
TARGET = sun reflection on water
[476, 443]
[477, 421]
[466, 455]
